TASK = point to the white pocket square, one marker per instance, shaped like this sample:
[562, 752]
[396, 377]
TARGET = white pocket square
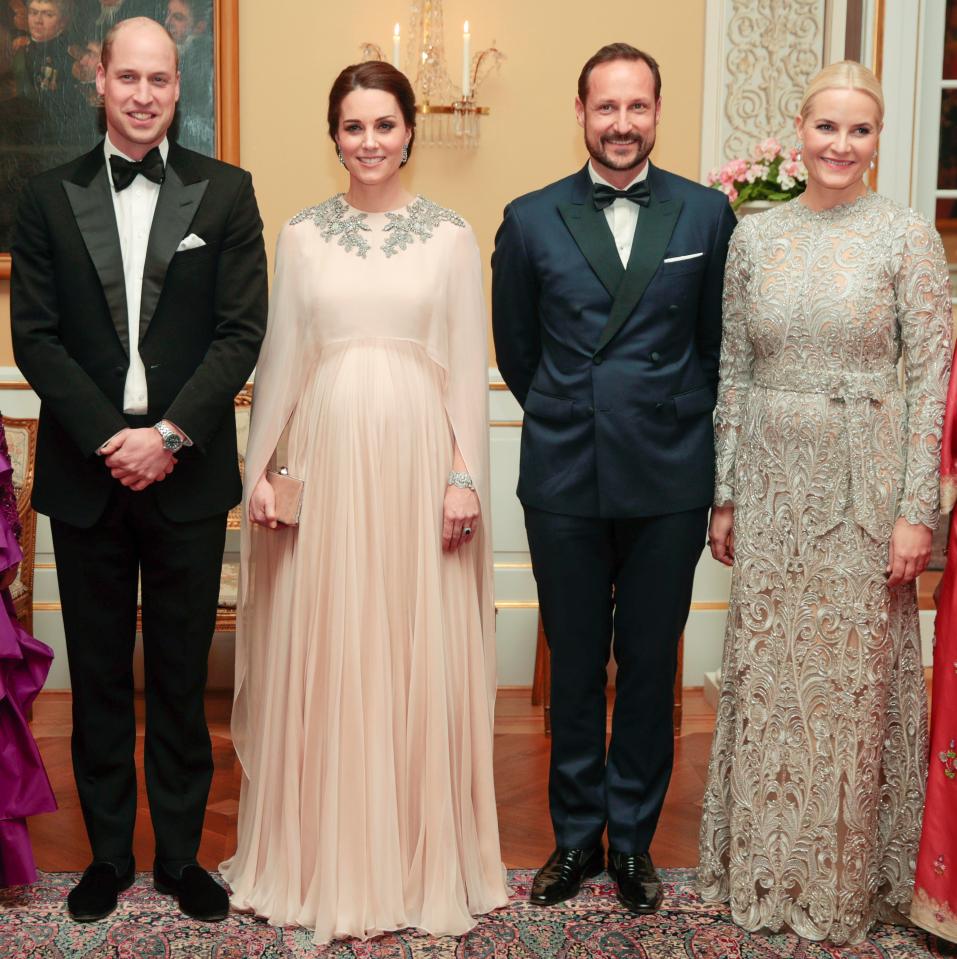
[678, 259]
[190, 243]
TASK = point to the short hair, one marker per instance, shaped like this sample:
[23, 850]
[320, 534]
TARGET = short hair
[843, 75]
[64, 7]
[618, 51]
[372, 75]
[106, 52]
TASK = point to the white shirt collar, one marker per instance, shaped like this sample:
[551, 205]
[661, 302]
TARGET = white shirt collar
[598, 178]
[110, 150]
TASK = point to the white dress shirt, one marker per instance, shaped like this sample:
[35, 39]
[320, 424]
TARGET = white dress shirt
[134, 208]
[622, 215]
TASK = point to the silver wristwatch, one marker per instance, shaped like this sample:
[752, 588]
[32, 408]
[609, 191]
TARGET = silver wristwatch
[461, 480]
[172, 441]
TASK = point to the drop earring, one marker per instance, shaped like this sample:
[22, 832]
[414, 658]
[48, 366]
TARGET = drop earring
[874, 161]
[405, 154]
[342, 159]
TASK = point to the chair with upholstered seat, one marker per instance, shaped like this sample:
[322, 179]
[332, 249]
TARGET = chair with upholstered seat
[22, 444]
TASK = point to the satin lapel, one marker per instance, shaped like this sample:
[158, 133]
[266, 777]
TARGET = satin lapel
[93, 208]
[656, 223]
[589, 229]
[175, 209]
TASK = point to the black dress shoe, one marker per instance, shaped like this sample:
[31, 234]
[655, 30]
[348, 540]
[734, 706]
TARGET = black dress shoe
[639, 888]
[199, 895]
[562, 876]
[94, 896]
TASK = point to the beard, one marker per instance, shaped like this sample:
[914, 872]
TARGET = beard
[598, 150]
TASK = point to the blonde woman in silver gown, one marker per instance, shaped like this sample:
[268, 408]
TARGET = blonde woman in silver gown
[826, 496]
[365, 668]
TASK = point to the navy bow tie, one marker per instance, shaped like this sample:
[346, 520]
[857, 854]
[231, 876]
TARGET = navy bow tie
[124, 171]
[604, 195]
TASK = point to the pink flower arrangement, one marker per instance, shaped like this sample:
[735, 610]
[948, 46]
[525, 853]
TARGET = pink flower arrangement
[769, 174]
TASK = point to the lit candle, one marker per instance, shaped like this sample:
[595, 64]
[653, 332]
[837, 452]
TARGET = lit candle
[396, 42]
[466, 61]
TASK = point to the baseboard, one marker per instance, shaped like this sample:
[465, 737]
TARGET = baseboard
[53, 707]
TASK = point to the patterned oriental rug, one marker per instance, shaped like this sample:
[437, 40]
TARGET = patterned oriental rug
[34, 925]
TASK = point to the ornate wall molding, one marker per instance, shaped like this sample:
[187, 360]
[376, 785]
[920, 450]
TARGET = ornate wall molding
[759, 56]
[773, 48]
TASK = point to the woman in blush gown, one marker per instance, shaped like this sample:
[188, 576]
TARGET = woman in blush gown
[935, 892]
[365, 673]
[825, 501]
[24, 664]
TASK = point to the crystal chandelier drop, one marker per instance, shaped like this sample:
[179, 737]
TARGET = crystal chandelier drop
[448, 114]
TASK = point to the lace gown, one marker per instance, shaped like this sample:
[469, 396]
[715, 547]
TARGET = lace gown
[812, 809]
[365, 670]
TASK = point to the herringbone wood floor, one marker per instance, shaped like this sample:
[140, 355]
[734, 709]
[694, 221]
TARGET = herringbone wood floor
[521, 768]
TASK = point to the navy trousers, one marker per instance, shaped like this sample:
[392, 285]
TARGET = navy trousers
[650, 563]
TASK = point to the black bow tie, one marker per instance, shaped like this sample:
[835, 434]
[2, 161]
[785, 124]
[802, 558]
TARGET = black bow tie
[604, 195]
[124, 171]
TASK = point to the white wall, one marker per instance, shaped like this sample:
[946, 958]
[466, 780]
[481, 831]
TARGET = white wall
[516, 598]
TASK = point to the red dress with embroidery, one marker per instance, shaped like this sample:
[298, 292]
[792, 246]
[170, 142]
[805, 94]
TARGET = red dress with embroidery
[935, 892]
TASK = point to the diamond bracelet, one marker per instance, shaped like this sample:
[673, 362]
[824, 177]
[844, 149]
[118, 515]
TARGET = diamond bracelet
[461, 480]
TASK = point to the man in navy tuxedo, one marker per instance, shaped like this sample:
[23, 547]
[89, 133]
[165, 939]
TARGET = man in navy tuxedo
[606, 293]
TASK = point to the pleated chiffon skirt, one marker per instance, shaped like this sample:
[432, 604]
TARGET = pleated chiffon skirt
[368, 801]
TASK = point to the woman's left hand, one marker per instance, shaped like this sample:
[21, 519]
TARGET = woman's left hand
[460, 513]
[909, 552]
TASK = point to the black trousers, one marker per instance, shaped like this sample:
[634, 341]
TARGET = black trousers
[650, 562]
[97, 570]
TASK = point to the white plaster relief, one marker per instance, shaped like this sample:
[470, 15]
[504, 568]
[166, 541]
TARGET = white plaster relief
[772, 48]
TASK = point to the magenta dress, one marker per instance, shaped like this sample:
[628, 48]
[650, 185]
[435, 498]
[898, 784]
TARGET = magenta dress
[24, 664]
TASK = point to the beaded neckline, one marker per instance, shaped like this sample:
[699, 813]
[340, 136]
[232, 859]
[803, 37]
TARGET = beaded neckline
[337, 220]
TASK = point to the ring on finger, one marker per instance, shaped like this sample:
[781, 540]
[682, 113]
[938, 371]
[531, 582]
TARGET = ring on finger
[466, 530]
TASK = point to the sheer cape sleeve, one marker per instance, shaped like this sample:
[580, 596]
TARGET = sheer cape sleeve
[284, 363]
[458, 342]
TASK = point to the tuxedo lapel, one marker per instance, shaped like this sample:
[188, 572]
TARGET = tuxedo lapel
[656, 223]
[175, 208]
[92, 203]
[589, 228]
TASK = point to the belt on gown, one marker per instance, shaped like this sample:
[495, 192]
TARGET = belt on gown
[857, 391]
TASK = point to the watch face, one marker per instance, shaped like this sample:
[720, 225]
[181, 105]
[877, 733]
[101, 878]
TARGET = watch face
[171, 439]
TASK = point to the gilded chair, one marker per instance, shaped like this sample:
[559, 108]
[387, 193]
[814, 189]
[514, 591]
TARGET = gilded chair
[22, 444]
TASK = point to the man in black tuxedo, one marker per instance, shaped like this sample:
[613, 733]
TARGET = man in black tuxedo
[606, 307]
[138, 299]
